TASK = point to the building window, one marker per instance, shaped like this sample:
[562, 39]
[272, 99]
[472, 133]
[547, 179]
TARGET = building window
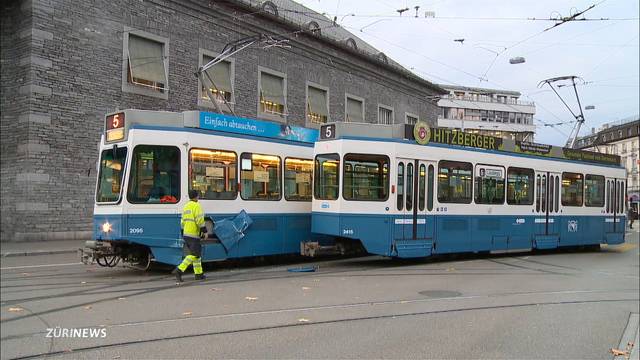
[455, 182]
[410, 119]
[213, 173]
[145, 65]
[385, 115]
[222, 75]
[572, 189]
[354, 109]
[317, 105]
[260, 177]
[366, 177]
[272, 88]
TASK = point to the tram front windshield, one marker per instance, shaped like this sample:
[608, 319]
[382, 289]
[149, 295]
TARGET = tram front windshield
[110, 176]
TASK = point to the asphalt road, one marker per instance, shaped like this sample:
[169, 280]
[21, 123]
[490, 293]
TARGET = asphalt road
[555, 305]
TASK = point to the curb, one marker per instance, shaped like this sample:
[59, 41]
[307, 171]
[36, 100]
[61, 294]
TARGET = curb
[38, 252]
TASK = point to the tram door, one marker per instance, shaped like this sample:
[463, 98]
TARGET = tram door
[547, 220]
[414, 200]
[614, 205]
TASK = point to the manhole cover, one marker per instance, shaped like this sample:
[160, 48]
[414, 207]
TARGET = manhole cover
[440, 293]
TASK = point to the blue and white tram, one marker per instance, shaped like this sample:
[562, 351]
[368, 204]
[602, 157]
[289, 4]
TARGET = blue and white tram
[149, 161]
[402, 199]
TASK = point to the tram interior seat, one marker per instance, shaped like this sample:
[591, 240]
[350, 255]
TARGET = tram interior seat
[156, 193]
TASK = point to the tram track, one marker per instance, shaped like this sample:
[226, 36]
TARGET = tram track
[226, 280]
[314, 323]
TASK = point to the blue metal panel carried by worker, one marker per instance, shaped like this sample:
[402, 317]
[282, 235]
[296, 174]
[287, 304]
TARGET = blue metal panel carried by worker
[230, 231]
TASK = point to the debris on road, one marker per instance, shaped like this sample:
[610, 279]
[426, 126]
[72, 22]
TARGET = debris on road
[187, 313]
[617, 352]
[303, 320]
[15, 309]
[250, 298]
[304, 269]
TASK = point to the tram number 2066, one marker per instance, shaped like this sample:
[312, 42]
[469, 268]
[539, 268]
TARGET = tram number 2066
[136, 230]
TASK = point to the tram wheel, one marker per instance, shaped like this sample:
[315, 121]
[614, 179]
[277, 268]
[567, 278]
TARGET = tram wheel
[143, 262]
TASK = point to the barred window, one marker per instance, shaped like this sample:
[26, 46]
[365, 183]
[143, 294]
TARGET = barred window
[385, 115]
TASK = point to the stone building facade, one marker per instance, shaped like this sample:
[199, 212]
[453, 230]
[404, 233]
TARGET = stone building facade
[620, 138]
[64, 65]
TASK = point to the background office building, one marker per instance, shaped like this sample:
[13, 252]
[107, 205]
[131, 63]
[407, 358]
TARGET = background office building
[490, 112]
[65, 63]
[618, 138]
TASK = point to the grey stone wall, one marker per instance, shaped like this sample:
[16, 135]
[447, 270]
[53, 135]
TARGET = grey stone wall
[61, 72]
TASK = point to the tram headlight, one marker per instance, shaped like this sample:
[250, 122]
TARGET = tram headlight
[106, 227]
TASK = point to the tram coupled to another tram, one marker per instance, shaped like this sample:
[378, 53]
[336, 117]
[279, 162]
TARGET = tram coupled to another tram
[401, 199]
[150, 160]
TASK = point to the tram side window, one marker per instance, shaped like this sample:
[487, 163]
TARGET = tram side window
[489, 185]
[455, 182]
[520, 186]
[430, 188]
[297, 179]
[400, 195]
[110, 177]
[366, 177]
[213, 173]
[155, 175]
[326, 177]
[260, 177]
[572, 189]
[594, 190]
[421, 187]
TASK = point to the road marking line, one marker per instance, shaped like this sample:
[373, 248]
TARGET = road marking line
[38, 266]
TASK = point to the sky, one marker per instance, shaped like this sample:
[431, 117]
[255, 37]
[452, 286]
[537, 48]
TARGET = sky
[603, 53]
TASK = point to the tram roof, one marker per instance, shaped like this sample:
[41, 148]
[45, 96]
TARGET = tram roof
[451, 138]
[118, 123]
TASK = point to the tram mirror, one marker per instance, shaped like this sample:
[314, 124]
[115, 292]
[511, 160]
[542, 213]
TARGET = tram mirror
[115, 149]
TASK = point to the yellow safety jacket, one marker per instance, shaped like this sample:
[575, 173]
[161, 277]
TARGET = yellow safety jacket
[192, 219]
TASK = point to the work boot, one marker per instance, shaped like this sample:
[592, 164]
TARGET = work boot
[200, 277]
[178, 274]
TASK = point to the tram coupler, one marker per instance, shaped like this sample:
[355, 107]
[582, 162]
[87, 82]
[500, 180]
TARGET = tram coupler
[94, 250]
[313, 248]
